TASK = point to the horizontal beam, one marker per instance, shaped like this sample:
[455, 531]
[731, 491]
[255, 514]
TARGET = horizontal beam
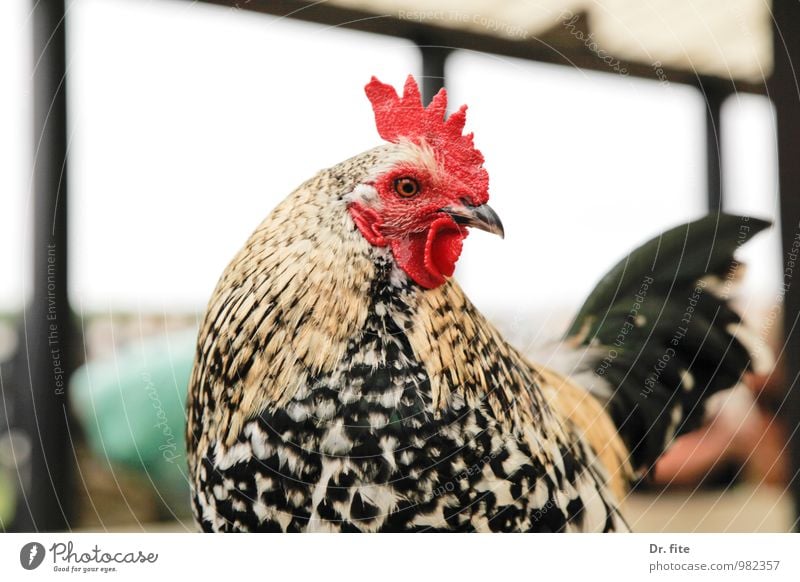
[558, 46]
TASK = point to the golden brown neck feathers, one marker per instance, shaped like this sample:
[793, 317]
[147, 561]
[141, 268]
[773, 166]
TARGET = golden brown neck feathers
[284, 308]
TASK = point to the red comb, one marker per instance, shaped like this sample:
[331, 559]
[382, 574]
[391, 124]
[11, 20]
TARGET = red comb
[405, 117]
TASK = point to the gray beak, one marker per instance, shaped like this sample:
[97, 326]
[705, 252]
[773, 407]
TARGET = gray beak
[482, 217]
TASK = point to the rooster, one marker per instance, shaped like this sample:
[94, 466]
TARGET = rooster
[343, 381]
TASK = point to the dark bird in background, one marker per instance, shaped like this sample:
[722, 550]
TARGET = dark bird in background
[344, 382]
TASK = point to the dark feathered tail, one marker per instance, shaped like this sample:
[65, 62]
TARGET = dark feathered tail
[661, 335]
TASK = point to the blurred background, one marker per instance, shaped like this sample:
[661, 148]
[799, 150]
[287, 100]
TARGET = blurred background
[142, 142]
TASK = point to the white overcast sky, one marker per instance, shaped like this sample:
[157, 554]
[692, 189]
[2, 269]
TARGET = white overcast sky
[188, 123]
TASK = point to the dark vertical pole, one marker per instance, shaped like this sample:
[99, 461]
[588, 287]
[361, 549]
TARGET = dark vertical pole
[714, 96]
[785, 93]
[433, 63]
[42, 402]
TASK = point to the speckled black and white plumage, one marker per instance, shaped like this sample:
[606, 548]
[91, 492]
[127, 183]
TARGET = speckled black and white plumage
[362, 449]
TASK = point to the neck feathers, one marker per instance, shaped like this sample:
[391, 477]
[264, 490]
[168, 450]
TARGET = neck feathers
[284, 309]
[465, 355]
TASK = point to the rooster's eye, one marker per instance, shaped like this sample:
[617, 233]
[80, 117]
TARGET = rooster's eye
[406, 187]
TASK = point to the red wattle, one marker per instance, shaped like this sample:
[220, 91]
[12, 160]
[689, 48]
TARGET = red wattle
[443, 247]
[409, 253]
[430, 257]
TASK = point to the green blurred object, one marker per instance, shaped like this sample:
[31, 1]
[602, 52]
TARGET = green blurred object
[15, 454]
[132, 409]
[7, 500]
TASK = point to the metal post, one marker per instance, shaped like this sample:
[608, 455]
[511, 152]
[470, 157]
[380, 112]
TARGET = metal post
[714, 97]
[785, 92]
[47, 325]
[433, 63]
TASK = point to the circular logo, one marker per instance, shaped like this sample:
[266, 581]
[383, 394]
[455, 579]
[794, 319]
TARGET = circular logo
[31, 555]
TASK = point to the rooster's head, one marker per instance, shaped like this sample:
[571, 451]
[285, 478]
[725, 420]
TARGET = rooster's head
[430, 187]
